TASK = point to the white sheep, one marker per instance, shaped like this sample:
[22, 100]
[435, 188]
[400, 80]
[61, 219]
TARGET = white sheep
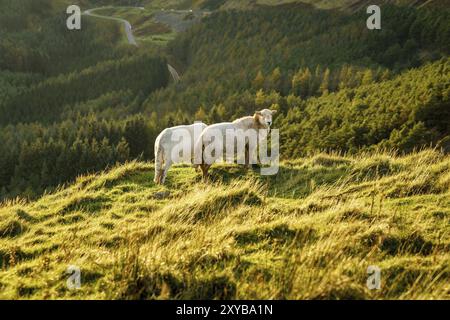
[259, 123]
[179, 138]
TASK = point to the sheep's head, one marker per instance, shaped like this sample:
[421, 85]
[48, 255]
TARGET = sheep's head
[264, 118]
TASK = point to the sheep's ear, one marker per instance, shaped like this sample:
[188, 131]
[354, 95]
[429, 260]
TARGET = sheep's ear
[258, 113]
[274, 111]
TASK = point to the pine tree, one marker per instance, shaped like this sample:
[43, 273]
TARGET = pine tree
[325, 85]
[274, 80]
[258, 82]
[367, 77]
[201, 114]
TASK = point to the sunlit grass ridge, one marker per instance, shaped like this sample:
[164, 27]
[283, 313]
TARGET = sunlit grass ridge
[308, 233]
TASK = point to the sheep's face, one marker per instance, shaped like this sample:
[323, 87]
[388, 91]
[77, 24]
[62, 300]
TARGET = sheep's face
[264, 117]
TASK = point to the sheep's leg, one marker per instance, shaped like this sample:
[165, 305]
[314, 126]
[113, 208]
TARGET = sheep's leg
[158, 177]
[247, 157]
[165, 170]
[156, 180]
[159, 163]
[205, 168]
[250, 156]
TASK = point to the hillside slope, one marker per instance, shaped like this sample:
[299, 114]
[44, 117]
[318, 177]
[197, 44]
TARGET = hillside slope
[404, 113]
[308, 233]
[244, 4]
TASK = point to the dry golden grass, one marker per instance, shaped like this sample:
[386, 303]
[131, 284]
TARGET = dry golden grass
[308, 233]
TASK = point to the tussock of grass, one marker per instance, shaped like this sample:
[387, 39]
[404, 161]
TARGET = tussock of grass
[11, 228]
[308, 233]
[326, 160]
[205, 204]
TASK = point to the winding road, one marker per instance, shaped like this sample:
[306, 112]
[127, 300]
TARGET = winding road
[130, 36]
[128, 30]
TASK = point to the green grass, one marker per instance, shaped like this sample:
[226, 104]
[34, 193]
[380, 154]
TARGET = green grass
[308, 233]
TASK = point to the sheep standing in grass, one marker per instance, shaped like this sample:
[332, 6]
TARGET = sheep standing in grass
[165, 145]
[261, 120]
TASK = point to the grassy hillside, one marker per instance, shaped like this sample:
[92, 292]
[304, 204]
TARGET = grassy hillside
[245, 4]
[308, 233]
[76, 103]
